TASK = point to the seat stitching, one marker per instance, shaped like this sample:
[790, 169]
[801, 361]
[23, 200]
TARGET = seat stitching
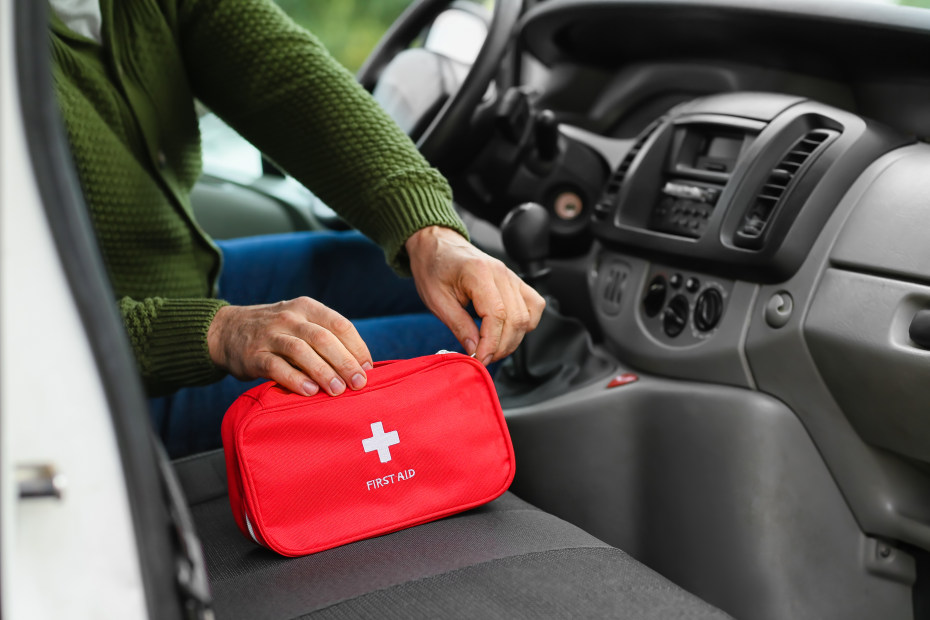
[453, 571]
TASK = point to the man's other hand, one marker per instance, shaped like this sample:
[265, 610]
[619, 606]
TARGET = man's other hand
[449, 272]
[301, 344]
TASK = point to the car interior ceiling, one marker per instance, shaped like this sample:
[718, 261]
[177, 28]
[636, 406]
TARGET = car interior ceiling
[723, 410]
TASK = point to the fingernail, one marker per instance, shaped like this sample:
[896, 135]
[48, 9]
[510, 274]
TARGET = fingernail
[358, 381]
[310, 388]
[367, 366]
[470, 346]
[336, 386]
[487, 359]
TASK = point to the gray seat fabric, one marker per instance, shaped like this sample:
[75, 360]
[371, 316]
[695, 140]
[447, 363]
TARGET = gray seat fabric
[504, 560]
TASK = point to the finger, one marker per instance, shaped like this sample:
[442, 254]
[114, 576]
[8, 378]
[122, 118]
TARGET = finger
[298, 353]
[448, 309]
[535, 304]
[348, 336]
[327, 355]
[517, 317]
[339, 326]
[277, 369]
[493, 312]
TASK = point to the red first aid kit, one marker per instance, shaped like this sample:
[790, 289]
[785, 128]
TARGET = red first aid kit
[425, 438]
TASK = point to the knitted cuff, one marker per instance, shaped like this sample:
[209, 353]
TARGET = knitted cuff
[176, 352]
[408, 209]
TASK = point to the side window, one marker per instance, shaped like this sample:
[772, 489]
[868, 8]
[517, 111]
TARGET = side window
[348, 28]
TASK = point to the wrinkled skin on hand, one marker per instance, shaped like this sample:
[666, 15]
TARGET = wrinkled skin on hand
[300, 343]
[449, 272]
[306, 346]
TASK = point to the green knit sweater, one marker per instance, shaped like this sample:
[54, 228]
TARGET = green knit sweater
[129, 110]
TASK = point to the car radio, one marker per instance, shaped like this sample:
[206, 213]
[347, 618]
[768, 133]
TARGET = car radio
[702, 156]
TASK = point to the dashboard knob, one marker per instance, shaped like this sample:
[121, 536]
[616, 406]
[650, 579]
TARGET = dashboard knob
[655, 296]
[708, 309]
[675, 317]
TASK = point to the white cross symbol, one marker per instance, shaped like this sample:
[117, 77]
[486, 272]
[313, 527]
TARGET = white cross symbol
[381, 442]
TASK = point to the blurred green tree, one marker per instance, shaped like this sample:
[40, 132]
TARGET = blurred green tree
[348, 28]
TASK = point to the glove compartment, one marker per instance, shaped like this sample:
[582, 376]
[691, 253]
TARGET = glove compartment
[859, 322]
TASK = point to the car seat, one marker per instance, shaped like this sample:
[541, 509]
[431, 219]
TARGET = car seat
[506, 559]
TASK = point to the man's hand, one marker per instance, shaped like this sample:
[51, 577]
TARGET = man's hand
[301, 344]
[449, 272]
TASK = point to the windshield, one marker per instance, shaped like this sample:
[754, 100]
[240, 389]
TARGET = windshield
[923, 4]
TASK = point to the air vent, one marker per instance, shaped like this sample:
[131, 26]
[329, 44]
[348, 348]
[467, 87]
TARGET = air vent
[609, 199]
[751, 232]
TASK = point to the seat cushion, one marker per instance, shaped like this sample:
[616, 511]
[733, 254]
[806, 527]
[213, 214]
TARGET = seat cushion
[507, 559]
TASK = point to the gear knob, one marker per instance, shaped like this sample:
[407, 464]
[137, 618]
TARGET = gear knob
[525, 233]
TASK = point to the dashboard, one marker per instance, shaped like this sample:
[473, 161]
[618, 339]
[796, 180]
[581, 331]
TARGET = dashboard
[724, 188]
[762, 221]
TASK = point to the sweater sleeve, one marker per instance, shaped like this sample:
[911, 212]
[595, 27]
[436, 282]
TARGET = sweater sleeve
[169, 339]
[275, 83]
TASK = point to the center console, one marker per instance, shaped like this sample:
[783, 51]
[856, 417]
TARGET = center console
[719, 196]
[702, 156]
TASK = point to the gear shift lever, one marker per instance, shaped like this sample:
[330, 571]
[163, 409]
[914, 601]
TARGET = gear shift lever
[559, 353]
[525, 232]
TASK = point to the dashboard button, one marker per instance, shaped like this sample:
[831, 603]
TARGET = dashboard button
[655, 296]
[708, 309]
[676, 280]
[779, 309]
[692, 285]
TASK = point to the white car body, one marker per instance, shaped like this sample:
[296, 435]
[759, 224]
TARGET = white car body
[73, 555]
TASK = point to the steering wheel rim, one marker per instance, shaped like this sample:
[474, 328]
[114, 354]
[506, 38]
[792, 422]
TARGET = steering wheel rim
[452, 120]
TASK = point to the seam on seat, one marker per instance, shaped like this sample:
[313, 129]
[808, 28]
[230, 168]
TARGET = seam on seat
[242, 582]
[560, 588]
[465, 568]
[461, 518]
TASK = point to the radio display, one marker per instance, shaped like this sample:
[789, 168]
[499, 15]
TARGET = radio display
[723, 147]
[704, 148]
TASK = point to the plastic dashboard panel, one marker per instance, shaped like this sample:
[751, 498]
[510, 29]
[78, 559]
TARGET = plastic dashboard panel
[837, 362]
[879, 51]
[858, 328]
[691, 26]
[719, 488]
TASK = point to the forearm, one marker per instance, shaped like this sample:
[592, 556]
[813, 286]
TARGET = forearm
[278, 86]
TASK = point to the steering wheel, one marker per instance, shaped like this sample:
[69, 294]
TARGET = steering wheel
[450, 124]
